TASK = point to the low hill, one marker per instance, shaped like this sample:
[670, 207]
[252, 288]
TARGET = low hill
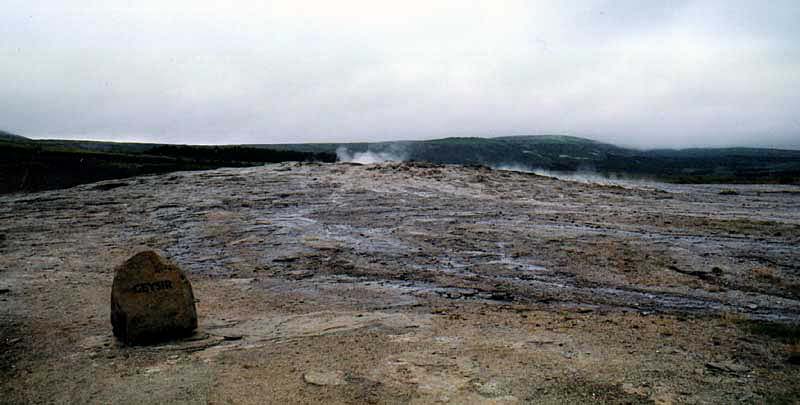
[35, 165]
[8, 136]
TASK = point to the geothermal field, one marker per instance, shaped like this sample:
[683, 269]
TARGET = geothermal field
[408, 283]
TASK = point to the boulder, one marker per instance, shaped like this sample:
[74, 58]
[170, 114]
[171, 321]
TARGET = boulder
[151, 301]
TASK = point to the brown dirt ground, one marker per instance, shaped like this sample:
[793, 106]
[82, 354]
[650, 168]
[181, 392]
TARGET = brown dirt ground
[407, 283]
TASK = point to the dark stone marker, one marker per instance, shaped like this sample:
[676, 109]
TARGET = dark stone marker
[151, 301]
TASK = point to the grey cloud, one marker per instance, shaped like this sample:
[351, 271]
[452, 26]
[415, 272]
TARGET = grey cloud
[684, 73]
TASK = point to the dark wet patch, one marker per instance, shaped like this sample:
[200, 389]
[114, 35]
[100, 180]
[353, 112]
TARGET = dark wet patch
[580, 391]
[109, 186]
[783, 332]
[14, 340]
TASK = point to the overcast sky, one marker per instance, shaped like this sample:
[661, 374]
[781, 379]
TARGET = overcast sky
[638, 73]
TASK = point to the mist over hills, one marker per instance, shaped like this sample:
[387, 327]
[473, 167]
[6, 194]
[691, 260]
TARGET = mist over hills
[30, 165]
[570, 154]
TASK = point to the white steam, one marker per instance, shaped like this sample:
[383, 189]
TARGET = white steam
[369, 157]
[587, 177]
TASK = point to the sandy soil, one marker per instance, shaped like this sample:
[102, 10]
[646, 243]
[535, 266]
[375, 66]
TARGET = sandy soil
[408, 283]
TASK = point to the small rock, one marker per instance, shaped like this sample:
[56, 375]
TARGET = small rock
[501, 296]
[491, 389]
[286, 259]
[727, 366]
[323, 378]
[299, 274]
[151, 301]
[5, 290]
[630, 389]
[151, 370]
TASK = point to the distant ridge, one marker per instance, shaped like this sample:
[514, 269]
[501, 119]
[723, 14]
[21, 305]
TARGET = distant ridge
[547, 138]
[565, 153]
[551, 152]
[8, 136]
[33, 165]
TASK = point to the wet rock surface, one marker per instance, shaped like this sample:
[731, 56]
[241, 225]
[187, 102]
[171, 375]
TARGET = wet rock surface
[151, 301]
[414, 283]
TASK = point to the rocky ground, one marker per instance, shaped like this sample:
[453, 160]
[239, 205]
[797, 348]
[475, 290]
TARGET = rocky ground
[408, 283]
